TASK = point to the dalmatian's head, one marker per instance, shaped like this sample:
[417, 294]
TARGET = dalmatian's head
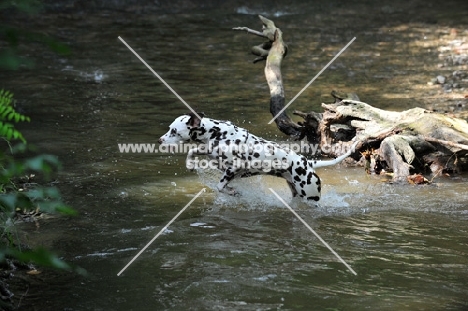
[181, 129]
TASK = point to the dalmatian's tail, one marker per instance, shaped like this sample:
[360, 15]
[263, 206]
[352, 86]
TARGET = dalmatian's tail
[318, 164]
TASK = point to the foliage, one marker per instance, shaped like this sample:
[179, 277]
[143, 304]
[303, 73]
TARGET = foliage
[13, 198]
[18, 198]
[10, 56]
[7, 115]
[14, 165]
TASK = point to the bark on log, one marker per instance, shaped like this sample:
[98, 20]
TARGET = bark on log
[414, 139]
[411, 141]
[273, 51]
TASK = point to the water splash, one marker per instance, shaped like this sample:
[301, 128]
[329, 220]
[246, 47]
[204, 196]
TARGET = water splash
[355, 194]
[254, 193]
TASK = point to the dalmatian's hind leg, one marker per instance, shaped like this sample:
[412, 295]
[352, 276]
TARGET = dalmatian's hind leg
[222, 186]
[293, 189]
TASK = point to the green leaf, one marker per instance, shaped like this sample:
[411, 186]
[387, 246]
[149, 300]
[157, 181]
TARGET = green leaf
[36, 194]
[24, 202]
[40, 256]
[52, 192]
[11, 115]
[11, 61]
[42, 163]
[59, 47]
[19, 148]
[8, 201]
[8, 113]
[9, 132]
[66, 210]
[56, 206]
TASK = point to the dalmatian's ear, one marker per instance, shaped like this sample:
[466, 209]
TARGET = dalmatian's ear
[194, 121]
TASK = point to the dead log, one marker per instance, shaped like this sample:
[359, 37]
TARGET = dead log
[411, 141]
[273, 51]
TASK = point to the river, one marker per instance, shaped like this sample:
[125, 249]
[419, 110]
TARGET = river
[407, 244]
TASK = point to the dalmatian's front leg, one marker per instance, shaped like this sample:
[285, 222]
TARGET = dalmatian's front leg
[228, 175]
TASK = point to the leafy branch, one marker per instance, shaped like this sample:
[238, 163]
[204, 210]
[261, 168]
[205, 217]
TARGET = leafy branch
[8, 114]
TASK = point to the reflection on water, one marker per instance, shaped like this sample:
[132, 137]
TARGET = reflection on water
[407, 244]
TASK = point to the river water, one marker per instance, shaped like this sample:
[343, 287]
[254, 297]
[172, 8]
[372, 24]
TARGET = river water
[407, 244]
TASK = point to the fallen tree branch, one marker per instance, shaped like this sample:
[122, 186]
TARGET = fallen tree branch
[404, 142]
[446, 142]
[250, 31]
[273, 51]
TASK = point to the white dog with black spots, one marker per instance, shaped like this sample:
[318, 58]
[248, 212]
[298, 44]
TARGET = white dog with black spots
[242, 154]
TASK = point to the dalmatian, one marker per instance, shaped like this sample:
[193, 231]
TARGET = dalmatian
[239, 153]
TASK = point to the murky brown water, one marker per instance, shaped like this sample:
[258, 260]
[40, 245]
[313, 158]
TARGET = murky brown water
[408, 245]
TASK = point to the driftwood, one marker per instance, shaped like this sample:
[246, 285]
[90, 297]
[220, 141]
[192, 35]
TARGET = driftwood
[412, 141]
[273, 51]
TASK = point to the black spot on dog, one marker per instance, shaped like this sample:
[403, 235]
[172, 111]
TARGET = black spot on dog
[300, 171]
[214, 133]
[315, 198]
[214, 129]
[196, 133]
[318, 179]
